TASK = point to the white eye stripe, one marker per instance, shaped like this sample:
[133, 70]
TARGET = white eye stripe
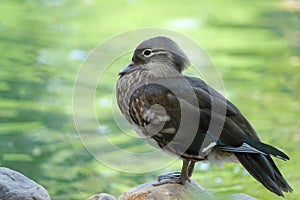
[147, 52]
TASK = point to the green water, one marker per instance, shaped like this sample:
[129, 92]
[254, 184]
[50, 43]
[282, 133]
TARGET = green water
[254, 44]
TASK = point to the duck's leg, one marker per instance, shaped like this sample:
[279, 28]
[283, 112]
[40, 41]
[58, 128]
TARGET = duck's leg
[191, 168]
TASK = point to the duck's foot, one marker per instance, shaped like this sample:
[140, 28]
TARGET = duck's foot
[168, 176]
[177, 177]
[172, 178]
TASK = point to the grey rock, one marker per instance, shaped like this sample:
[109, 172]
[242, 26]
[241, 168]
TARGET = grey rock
[102, 196]
[16, 186]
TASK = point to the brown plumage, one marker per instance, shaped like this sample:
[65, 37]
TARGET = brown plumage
[183, 116]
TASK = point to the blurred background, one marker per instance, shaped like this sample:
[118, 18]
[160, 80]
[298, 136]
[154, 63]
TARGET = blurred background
[254, 44]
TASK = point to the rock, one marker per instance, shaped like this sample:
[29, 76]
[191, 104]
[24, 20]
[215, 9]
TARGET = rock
[16, 186]
[102, 196]
[190, 190]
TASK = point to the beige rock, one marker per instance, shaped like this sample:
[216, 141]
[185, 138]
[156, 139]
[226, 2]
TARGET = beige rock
[190, 190]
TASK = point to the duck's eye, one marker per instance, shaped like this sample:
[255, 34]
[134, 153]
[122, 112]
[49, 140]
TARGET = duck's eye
[147, 52]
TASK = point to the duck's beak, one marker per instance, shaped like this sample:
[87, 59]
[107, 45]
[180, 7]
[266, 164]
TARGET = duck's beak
[126, 69]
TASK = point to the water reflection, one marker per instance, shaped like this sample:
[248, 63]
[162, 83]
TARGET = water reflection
[43, 43]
